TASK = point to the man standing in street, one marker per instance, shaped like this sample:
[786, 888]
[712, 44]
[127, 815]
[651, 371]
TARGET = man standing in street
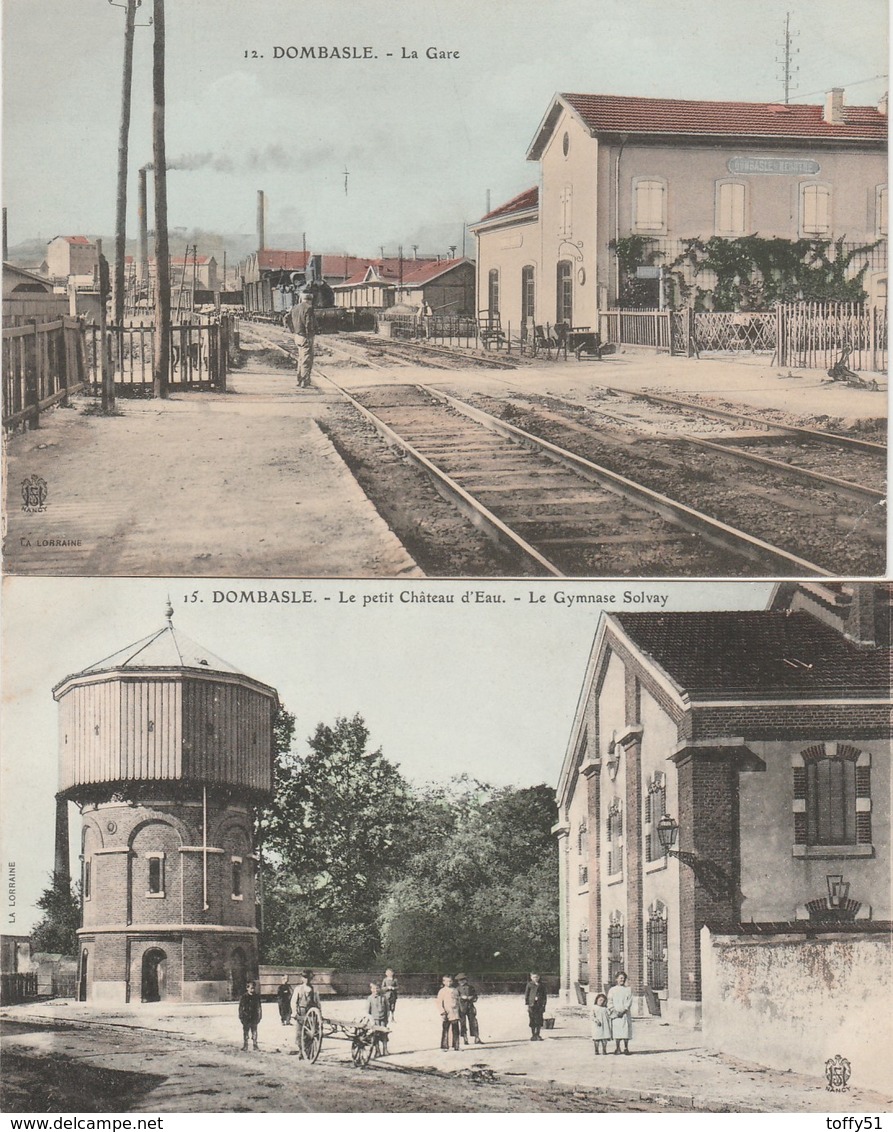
[468, 1015]
[535, 1001]
[250, 1012]
[302, 323]
[448, 1005]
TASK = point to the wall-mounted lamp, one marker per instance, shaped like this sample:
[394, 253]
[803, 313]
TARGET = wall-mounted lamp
[713, 879]
[667, 832]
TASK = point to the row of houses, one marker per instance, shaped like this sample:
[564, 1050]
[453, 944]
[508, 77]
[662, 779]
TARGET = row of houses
[440, 285]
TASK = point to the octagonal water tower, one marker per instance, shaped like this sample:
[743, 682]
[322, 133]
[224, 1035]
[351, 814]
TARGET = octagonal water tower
[167, 750]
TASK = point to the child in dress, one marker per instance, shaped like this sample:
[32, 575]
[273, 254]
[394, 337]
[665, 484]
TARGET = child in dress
[601, 1024]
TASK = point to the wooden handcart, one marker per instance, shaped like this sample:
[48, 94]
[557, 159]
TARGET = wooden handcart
[312, 1029]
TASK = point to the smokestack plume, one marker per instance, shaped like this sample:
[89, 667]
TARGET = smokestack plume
[261, 234]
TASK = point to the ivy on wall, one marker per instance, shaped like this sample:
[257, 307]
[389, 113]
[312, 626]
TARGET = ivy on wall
[751, 272]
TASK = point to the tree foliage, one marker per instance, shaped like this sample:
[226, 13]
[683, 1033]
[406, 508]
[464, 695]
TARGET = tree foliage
[483, 892]
[56, 932]
[361, 869]
[332, 838]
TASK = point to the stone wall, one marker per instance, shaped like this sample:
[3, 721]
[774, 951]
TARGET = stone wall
[792, 1000]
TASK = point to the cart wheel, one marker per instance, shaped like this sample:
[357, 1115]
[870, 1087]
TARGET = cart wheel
[310, 1035]
[360, 1052]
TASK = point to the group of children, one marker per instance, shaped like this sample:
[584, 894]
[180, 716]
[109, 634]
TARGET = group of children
[612, 1017]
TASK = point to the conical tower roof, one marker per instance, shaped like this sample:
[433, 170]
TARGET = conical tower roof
[166, 648]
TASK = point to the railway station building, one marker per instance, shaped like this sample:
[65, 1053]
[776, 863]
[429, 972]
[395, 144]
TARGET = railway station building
[651, 173]
[166, 749]
[724, 811]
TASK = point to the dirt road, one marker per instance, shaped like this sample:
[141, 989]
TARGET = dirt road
[69, 1068]
[223, 485]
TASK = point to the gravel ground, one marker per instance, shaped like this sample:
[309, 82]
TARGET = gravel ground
[179, 1058]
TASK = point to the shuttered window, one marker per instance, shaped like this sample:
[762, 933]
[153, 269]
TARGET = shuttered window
[650, 205]
[730, 200]
[815, 210]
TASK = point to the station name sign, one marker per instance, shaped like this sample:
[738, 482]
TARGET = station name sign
[790, 166]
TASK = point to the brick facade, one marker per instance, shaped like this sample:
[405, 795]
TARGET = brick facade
[168, 863]
[721, 766]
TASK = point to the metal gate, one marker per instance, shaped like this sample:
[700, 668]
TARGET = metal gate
[198, 354]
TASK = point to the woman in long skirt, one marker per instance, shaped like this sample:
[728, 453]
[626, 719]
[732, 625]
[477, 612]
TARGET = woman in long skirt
[620, 1003]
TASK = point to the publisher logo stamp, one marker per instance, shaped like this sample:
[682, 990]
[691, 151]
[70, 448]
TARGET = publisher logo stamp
[34, 494]
[837, 1071]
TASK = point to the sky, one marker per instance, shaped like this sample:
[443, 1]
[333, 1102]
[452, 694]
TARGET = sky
[422, 140]
[483, 689]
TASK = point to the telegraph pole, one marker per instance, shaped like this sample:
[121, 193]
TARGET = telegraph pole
[787, 61]
[123, 137]
[161, 368]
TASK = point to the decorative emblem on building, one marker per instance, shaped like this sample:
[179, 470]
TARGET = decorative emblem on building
[837, 1071]
[34, 494]
[613, 759]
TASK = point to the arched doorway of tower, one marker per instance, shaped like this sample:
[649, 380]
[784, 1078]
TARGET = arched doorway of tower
[82, 981]
[238, 966]
[154, 971]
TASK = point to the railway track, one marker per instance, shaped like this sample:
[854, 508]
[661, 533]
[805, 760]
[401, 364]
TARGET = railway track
[791, 445]
[533, 484]
[553, 507]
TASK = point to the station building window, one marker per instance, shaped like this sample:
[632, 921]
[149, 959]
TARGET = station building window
[564, 306]
[815, 210]
[528, 293]
[731, 199]
[493, 291]
[237, 892]
[881, 210]
[650, 204]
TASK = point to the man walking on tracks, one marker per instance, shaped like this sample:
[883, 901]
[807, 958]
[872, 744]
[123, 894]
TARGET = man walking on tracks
[302, 323]
[250, 1012]
[468, 1015]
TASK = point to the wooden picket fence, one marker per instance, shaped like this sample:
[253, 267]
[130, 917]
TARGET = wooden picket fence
[816, 335]
[43, 363]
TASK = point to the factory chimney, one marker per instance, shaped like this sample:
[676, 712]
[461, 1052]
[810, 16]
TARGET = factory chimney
[261, 234]
[143, 220]
[61, 869]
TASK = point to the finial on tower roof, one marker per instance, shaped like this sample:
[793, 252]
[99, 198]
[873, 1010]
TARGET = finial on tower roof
[169, 611]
